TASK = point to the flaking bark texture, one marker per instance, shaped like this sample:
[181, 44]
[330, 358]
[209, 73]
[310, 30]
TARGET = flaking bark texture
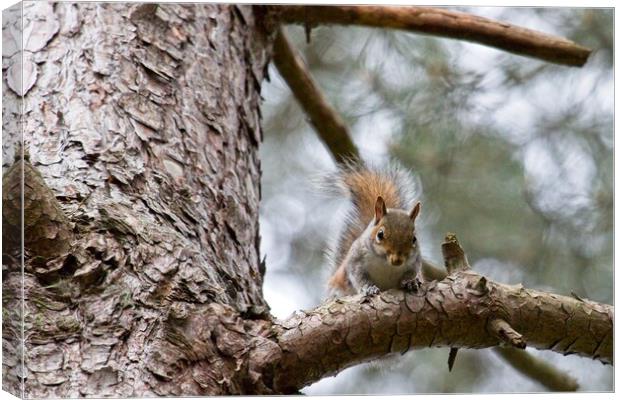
[143, 122]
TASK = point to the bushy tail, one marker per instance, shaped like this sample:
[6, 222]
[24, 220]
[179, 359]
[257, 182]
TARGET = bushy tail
[363, 185]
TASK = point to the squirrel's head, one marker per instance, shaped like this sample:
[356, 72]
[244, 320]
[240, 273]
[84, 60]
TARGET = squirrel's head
[393, 233]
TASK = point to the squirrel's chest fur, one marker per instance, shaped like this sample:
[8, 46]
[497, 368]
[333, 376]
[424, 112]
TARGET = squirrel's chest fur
[383, 274]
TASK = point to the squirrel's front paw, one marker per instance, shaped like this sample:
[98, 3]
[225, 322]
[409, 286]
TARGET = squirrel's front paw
[370, 290]
[411, 285]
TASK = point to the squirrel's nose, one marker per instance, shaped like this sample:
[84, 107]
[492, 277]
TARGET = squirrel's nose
[396, 260]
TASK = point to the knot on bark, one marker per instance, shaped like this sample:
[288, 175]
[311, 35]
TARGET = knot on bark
[47, 231]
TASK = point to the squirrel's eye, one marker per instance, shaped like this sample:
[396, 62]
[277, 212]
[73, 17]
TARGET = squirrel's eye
[415, 240]
[380, 235]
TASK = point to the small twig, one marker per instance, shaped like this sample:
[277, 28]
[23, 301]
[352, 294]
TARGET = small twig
[575, 295]
[450, 24]
[506, 333]
[330, 127]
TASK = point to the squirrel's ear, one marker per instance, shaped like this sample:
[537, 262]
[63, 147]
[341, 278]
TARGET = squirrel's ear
[415, 211]
[380, 209]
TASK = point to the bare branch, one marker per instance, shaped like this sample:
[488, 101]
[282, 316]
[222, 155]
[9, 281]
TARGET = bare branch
[348, 331]
[328, 124]
[445, 23]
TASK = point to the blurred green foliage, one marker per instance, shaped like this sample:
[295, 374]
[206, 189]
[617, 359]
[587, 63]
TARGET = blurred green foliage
[512, 154]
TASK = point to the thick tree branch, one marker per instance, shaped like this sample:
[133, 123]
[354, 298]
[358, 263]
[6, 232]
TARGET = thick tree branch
[445, 23]
[328, 124]
[347, 331]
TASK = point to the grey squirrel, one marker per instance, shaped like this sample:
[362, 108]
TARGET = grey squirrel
[378, 247]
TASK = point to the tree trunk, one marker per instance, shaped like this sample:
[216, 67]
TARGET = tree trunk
[144, 122]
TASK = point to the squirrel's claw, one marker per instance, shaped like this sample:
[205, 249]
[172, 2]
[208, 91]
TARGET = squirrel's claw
[370, 290]
[412, 285]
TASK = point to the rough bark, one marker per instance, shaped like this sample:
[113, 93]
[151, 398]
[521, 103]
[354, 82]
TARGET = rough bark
[12, 117]
[143, 122]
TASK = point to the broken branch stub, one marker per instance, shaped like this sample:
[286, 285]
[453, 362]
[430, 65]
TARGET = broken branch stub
[506, 333]
[453, 255]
